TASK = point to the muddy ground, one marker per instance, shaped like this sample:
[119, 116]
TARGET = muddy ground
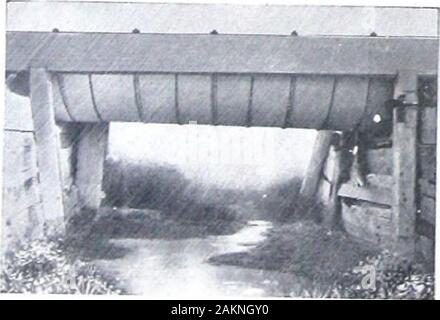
[303, 248]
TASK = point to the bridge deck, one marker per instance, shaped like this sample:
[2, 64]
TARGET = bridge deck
[196, 53]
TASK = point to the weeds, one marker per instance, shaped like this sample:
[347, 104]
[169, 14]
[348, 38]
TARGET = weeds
[42, 267]
[395, 278]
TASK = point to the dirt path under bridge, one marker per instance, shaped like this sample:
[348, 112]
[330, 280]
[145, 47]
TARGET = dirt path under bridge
[157, 257]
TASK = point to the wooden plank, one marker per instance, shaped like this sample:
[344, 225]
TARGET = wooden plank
[427, 188]
[427, 209]
[48, 146]
[313, 174]
[426, 156]
[426, 247]
[91, 151]
[405, 161]
[368, 223]
[332, 172]
[69, 136]
[425, 228]
[375, 194]
[22, 217]
[428, 125]
[204, 53]
[379, 161]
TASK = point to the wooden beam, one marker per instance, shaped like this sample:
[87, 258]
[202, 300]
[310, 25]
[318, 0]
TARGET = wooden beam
[204, 53]
[333, 172]
[405, 161]
[428, 125]
[91, 151]
[312, 177]
[427, 209]
[379, 195]
[48, 145]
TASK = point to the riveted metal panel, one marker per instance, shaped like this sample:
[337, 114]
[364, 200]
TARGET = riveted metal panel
[270, 100]
[349, 100]
[194, 99]
[157, 98]
[78, 98]
[311, 99]
[61, 111]
[115, 97]
[233, 94]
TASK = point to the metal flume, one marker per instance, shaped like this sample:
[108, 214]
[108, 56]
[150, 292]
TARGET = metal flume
[335, 83]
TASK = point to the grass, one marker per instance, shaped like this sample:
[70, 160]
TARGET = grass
[41, 266]
[303, 248]
[329, 263]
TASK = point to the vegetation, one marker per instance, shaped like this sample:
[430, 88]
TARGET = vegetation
[303, 248]
[143, 185]
[395, 278]
[331, 265]
[41, 266]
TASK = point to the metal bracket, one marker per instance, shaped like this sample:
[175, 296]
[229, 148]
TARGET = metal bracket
[405, 91]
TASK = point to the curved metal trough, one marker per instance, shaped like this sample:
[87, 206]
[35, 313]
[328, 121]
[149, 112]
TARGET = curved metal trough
[330, 102]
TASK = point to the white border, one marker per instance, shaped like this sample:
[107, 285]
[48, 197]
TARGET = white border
[378, 3]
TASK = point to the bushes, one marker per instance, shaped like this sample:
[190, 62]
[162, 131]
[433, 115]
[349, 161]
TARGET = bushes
[142, 185]
[395, 279]
[329, 264]
[42, 267]
[302, 248]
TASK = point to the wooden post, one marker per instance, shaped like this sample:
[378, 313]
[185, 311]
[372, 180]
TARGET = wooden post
[332, 205]
[48, 146]
[69, 134]
[310, 182]
[404, 165]
[70, 158]
[90, 152]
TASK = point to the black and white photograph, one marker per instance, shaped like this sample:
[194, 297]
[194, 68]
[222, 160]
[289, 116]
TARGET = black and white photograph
[177, 150]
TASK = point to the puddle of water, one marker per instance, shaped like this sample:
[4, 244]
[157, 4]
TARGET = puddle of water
[245, 239]
[178, 268]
